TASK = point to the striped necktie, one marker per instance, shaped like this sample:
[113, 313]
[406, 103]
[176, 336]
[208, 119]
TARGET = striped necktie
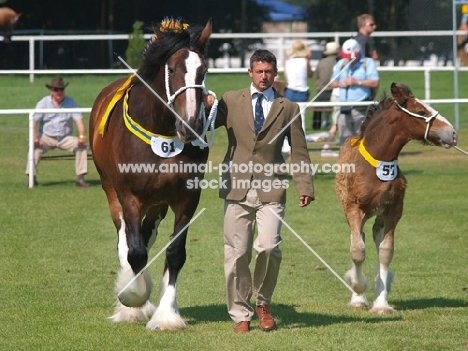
[259, 117]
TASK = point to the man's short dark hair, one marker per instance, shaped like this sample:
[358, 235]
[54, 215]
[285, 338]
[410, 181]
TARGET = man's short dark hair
[262, 56]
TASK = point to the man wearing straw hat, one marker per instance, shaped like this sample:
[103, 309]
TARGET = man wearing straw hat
[55, 130]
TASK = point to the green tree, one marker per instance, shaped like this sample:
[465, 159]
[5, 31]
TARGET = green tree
[136, 45]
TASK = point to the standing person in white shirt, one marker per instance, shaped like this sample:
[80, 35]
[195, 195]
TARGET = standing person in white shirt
[297, 70]
[55, 130]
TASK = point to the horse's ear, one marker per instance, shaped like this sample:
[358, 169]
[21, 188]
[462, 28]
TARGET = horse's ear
[206, 33]
[400, 92]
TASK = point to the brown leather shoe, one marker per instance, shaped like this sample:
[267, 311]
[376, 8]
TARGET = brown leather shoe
[242, 327]
[81, 182]
[267, 322]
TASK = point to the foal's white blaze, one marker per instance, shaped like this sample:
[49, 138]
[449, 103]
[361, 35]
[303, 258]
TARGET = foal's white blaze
[432, 111]
[192, 63]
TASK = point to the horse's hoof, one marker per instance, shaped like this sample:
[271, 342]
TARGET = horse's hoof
[358, 301]
[128, 314]
[358, 305]
[131, 291]
[166, 320]
[381, 310]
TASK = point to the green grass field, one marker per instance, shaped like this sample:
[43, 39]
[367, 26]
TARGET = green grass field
[58, 259]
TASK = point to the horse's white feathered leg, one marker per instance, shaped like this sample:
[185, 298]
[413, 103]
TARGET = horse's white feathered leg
[133, 299]
[131, 291]
[355, 276]
[383, 278]
[357, 281]
[123, 313]
[122, 247]
[166, 316]
[383, 281]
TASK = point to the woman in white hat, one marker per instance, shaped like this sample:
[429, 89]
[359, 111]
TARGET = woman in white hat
[296, 71]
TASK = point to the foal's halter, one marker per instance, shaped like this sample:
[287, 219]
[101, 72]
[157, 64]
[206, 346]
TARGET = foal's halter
[428, 120]
[207, 122]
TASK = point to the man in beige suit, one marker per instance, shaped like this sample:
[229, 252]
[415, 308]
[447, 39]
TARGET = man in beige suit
[254, 187]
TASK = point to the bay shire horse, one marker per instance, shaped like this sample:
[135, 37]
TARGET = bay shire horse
[130, 125]
[376, 187]
[8, 19]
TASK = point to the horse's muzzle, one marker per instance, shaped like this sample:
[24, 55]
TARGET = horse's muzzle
[448, 138]
[190, 130]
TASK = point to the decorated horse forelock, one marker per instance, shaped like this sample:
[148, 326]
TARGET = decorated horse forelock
[171, 36]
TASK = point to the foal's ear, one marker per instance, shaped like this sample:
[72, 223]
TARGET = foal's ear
[400, 92]
[206, 33]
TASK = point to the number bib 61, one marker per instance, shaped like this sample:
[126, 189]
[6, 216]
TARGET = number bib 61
[166, 147]
[387, 170]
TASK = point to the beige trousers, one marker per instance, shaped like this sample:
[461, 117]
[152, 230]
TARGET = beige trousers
[69, 144]
[240, 220]
[349, 124]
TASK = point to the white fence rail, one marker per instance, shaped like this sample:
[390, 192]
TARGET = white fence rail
[303, 107]
[277, 42]
[427, 72]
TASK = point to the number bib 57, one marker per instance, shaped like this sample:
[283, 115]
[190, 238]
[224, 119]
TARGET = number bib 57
[166, 147]
[387, 170]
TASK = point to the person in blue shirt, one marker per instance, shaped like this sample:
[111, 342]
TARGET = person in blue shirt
[355, 76]
[55, 130]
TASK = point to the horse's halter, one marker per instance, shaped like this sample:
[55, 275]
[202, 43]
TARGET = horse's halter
[428, 120]
[207, 122]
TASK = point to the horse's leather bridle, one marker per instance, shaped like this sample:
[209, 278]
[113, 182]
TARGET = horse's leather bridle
[428, 120]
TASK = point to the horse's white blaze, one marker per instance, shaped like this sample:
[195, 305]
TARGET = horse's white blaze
[192, 63]
[122, 246]
[444, 120]
[432, 111]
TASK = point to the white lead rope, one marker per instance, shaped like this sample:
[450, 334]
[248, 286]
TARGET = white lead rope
[462, 151]
[207, 122]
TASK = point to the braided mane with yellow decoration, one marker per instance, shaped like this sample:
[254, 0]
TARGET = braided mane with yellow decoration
[153, 119]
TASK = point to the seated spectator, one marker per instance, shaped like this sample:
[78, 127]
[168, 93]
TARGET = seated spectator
[54, 130]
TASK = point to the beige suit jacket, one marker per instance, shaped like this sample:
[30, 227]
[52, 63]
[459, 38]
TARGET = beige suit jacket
[246, 148]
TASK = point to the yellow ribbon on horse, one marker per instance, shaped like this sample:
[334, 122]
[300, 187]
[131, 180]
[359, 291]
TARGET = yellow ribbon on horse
[363, 151]
[134, 127]
[117, 96]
